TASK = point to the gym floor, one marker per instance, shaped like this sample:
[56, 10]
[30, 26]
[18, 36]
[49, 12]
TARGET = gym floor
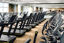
[31, 33]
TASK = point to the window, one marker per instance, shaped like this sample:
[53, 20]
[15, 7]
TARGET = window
[4, 7]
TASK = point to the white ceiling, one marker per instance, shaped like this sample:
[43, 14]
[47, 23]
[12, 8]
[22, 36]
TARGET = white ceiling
[40, 3]
[34, 1]
[43, 1]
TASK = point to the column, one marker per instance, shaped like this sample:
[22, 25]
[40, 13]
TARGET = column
[19, 10]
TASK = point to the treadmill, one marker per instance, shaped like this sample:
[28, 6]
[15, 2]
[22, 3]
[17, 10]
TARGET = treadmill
[27, 22]
[6, 38]
[39, 18]
[24, 23]
[14, 31]
[32, 20]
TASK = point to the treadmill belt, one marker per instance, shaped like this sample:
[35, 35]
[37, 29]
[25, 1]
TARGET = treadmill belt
[27, 27]
[18, 32]
[5, 38]
[32, 24]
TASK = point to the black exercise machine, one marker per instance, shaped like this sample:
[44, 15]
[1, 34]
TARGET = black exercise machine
[6, 38]
[34, 40]
[35, 37]
[25, 23]
[24, 26]
[45, 26]
[15, 31]
[39, 18]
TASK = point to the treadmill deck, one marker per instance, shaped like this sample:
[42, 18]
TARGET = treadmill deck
[17, 33]
[5, 38]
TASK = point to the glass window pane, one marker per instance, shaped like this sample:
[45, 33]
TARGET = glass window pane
[1, 9]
